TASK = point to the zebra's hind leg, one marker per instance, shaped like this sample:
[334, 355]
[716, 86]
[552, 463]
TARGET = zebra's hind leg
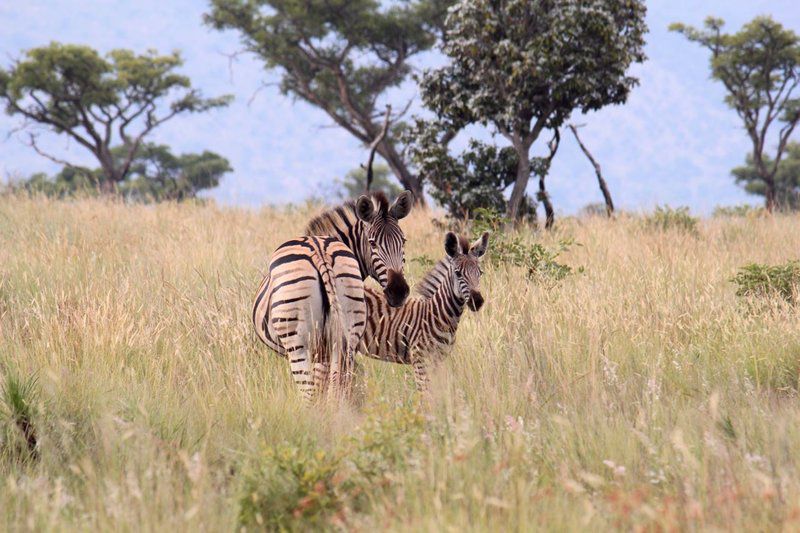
[302, 371]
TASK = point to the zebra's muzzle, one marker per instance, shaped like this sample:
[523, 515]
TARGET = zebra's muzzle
[396, 290]
[475, 301]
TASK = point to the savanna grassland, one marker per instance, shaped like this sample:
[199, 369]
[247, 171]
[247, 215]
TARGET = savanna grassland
[638, 393]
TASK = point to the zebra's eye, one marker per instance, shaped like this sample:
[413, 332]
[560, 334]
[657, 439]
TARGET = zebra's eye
[458, 273]
[372, 242]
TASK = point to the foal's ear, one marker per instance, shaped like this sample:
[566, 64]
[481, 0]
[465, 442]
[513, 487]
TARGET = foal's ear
[402, 206]
[451, 244]
[479, 247]
[365, 209]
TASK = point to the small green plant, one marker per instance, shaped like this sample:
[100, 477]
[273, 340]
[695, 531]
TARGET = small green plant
[18, 403]
[539, 262]
[423, 260]
[292, 489]
[667, 219]
[742, 210]
[758, 280]
[301, 487]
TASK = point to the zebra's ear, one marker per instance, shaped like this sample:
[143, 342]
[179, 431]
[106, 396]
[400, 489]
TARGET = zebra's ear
[402, 206]
[479, 247]
[451, 244]
[365, 209]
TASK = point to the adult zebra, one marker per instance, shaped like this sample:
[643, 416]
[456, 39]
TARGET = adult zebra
[310, 305]
[422, 331]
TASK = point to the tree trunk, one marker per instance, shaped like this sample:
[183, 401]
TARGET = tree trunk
[400, 170]
[550, 216]
[770, 195]
[521, 182]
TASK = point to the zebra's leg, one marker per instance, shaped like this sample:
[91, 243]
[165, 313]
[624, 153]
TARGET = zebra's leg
[421, 378]
[302, 371]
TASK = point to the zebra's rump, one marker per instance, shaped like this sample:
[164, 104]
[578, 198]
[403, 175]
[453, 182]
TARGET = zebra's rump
[293, 302]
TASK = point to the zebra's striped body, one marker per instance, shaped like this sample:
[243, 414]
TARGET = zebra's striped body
[421, 332]
[310, 306]
[311, 309]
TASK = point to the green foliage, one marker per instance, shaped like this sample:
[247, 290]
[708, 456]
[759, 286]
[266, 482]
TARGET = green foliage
[17, 399]
[743, 210]
[787, 178]
[301, 487]
[521, 67]
[156, 175]
[760, 281]
[475, 179]
[667, 218]
[292, 489]
[540, 263]
[760, 69]
[354, 183]
[340, 56]
[100, 101]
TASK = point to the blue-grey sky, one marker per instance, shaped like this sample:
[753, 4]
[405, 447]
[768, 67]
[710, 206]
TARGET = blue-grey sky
[674, 142]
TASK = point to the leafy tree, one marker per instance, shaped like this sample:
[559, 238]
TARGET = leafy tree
[787, 178]
[99, 101]
[760, 69]
[524, 66]
[471, 181]
[155, 175]
[339, 55]
[355, 182]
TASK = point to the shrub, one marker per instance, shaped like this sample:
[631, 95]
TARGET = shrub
[666, 219]
[742, 210]
[757, 280]
[538, 261]
[301, 487]
[292, 488]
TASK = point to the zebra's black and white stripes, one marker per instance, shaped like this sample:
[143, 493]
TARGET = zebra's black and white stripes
[421, 332]
[310, 306]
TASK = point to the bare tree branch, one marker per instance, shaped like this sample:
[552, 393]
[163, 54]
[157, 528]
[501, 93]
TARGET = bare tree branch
[374, 146]
[601, 182]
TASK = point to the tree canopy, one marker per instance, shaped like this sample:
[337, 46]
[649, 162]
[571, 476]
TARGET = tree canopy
[99, 102]
[354, 183]
[521, 67]
[155, 175]
[760, 69]
[340, 56]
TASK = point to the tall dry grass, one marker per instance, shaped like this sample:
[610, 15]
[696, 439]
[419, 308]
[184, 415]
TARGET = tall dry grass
[638, 394]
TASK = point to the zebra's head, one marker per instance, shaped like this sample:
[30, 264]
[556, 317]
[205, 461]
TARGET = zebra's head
[384, 243]
[465, 267]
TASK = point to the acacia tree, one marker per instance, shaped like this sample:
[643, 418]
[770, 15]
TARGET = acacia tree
[340, 56]
[522, 66]
[155, 175]
[760, 69]
[99, 101]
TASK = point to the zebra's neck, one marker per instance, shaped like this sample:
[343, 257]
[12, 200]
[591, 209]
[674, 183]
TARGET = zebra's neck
[341, 222]
[444, 306]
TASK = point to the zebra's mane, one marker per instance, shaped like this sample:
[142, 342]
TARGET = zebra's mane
[323, 223]
[431, 282]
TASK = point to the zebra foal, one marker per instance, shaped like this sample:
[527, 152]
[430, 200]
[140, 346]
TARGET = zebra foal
[310, 305]
[422, 331]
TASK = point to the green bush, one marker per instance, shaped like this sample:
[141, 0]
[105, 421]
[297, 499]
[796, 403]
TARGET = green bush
[301, 487]
[742, 210]
[667, 219]
[757, 280]
[539, 262]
